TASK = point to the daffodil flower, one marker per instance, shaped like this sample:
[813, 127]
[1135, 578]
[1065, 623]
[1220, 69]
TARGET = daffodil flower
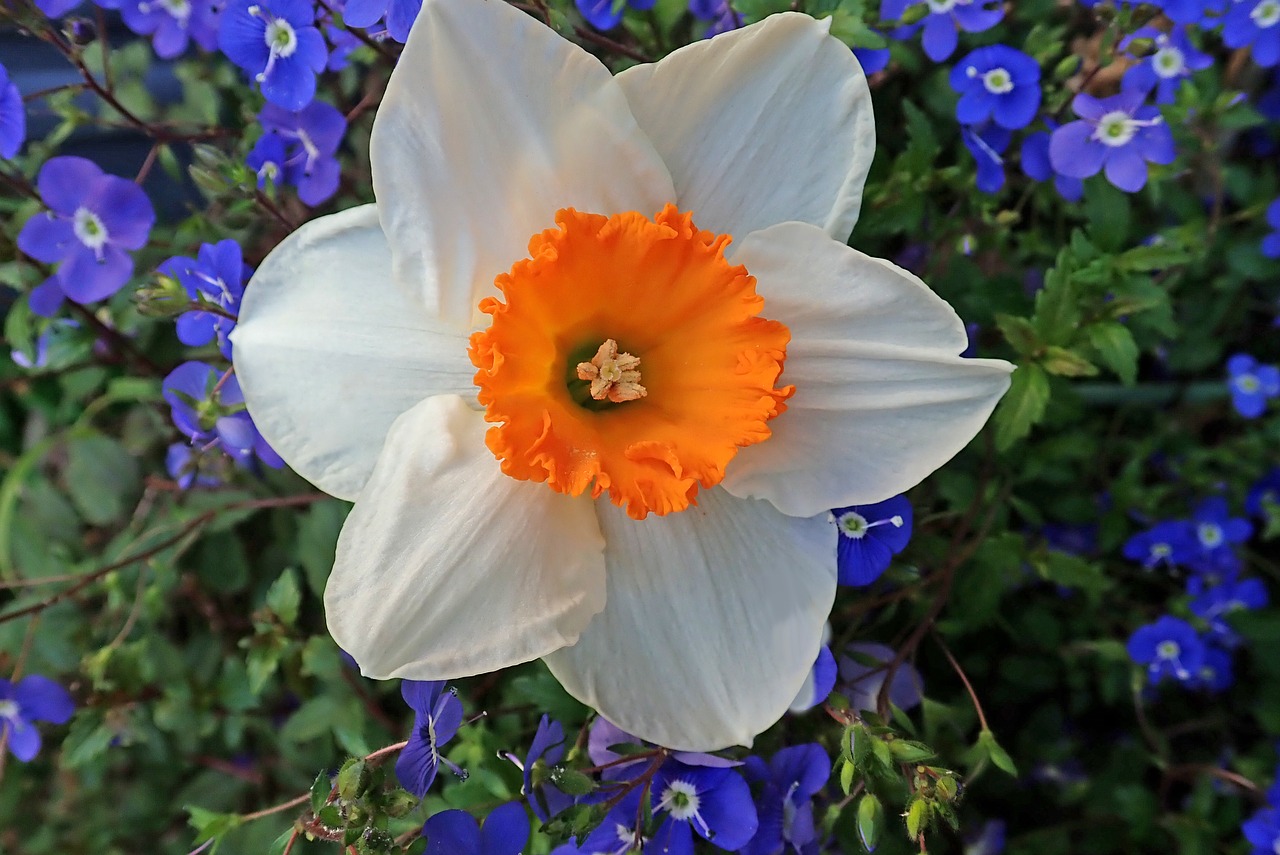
[540, 221]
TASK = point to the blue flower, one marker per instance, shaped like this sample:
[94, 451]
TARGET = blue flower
[300, 149]
[57, 343]
[1263, 831]
[13, 117]
[1254, 23]
[987, 144]
[399, 14]
[456, 832]
[277, 43]
[93, 221]
[617, 835]
[607, 14]
[1192, 11]
[1265, 492]
[1271, 243]
[785, 803]
[182, 462]
[945, 19]
[1172, 62]
[1119, 134]
[864, 667]
[437, 715]
[870, 535]
[57, 8]
[1169, 648]
[872, 60]
[998, 83]
[1170, 543]
[1036, 164]
[216, 275]
[721, 15]
[549, 747]
[207, 406]
[821, 680]
[1251, 384]
[989, 839]
[173, 24]
[31, 699]
[713, 802]
[1217, 531]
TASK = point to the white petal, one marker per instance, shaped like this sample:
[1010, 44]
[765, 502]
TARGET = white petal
[882, 396]
[714, 618]
[491, 123]
[448, 568]
[761, 125]
[329, 351]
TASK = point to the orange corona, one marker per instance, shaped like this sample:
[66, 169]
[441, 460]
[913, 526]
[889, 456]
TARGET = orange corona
[629, 357]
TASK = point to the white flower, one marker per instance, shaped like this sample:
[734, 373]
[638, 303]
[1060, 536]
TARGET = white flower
[692, 628]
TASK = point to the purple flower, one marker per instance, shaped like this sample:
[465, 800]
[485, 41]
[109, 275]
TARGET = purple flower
[944, 21]
[399, 14]
[278, 44]
[549, 747]
[437, 715]
[182, 462]
[216, 275]
[1263, 831]
[456, 832]
[1119, 134]
[1036, 164]
[13, 117]
[1170, 543]
[864, 667]
[997, 83]
[870, 535]
[987, 144]
[92, 222]
[1169, 648]
[173, 24]
[1271, 243]
[1251, 384]
[715, 803]
[1265, 492]
[721, 15]
[785, 803]
[31, 699]
[1254, 23]
[207, 406]
[606, 14]
[1173, 61]
[299, 149]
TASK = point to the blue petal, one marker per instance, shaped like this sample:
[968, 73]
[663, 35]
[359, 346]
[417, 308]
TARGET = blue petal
[24, 739]
[416, 766]
[506, 830]
[47, 238]
[452, 832]
[65, 182]
[421, 695]
[41, 699]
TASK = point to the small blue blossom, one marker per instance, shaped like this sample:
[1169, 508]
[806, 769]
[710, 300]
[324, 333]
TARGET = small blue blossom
[1215, 674]
[821, 680]
[1192, 11]
[617, 835]
[22, 704]
[997, 83]
[182, 462]
[1213, 601]
[1265, 492]
[1173, 61]
[1169, 648]
[869, 537]
[987, 145]
[456, 832]
[607, 14]
[1036, 165]
[872, 60]
[1263, 831]
[399, 15]
[1119, 134]
[173, 24]
[300, 149]
[277, 43]
[1216, 531]
[1251, 384]
[714, 803]
[863, 669]
[988, 840]
[719, 13]
[784, 805]
[549, 747]
[945, 20]
[93, 221]
[1254, 24]
[1271, 243]
[13, 117]
[216, 275]
[56, 343]
[437, 715]
[207, 406]
[1170, 543]
[58, 8]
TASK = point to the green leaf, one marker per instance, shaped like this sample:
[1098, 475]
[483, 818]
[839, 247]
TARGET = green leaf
[870, 821]
[1022, 406]
[210, 825]
[917, 817]
[87, 740]
[1117, 350]
[101, 477]
[284, 598]
[1020, 333]
[320, 789]
[847, 773]
[1066, 363]
[571, 781]
[906, 751]
[998, 755]
[1057, 314]
[282, 842]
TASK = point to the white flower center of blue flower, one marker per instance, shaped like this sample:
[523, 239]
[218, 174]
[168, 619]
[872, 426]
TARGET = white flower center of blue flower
[855, 525]
[1210, 535]
[998, 81]
[9, 710]
[1161, 550]
[1168, 650]
[89, 229]
[1249, 384]
[281, 38]
[680, 799]
[1266, 14]
[1116, 128]
[939, 6]
[1169, 62]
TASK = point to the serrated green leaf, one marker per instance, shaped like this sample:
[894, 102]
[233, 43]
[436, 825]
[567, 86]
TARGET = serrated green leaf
[1116, 349]
[284, 598]
[917, 817]
[1020, 333]
[1066, 363]
[1022, 406]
